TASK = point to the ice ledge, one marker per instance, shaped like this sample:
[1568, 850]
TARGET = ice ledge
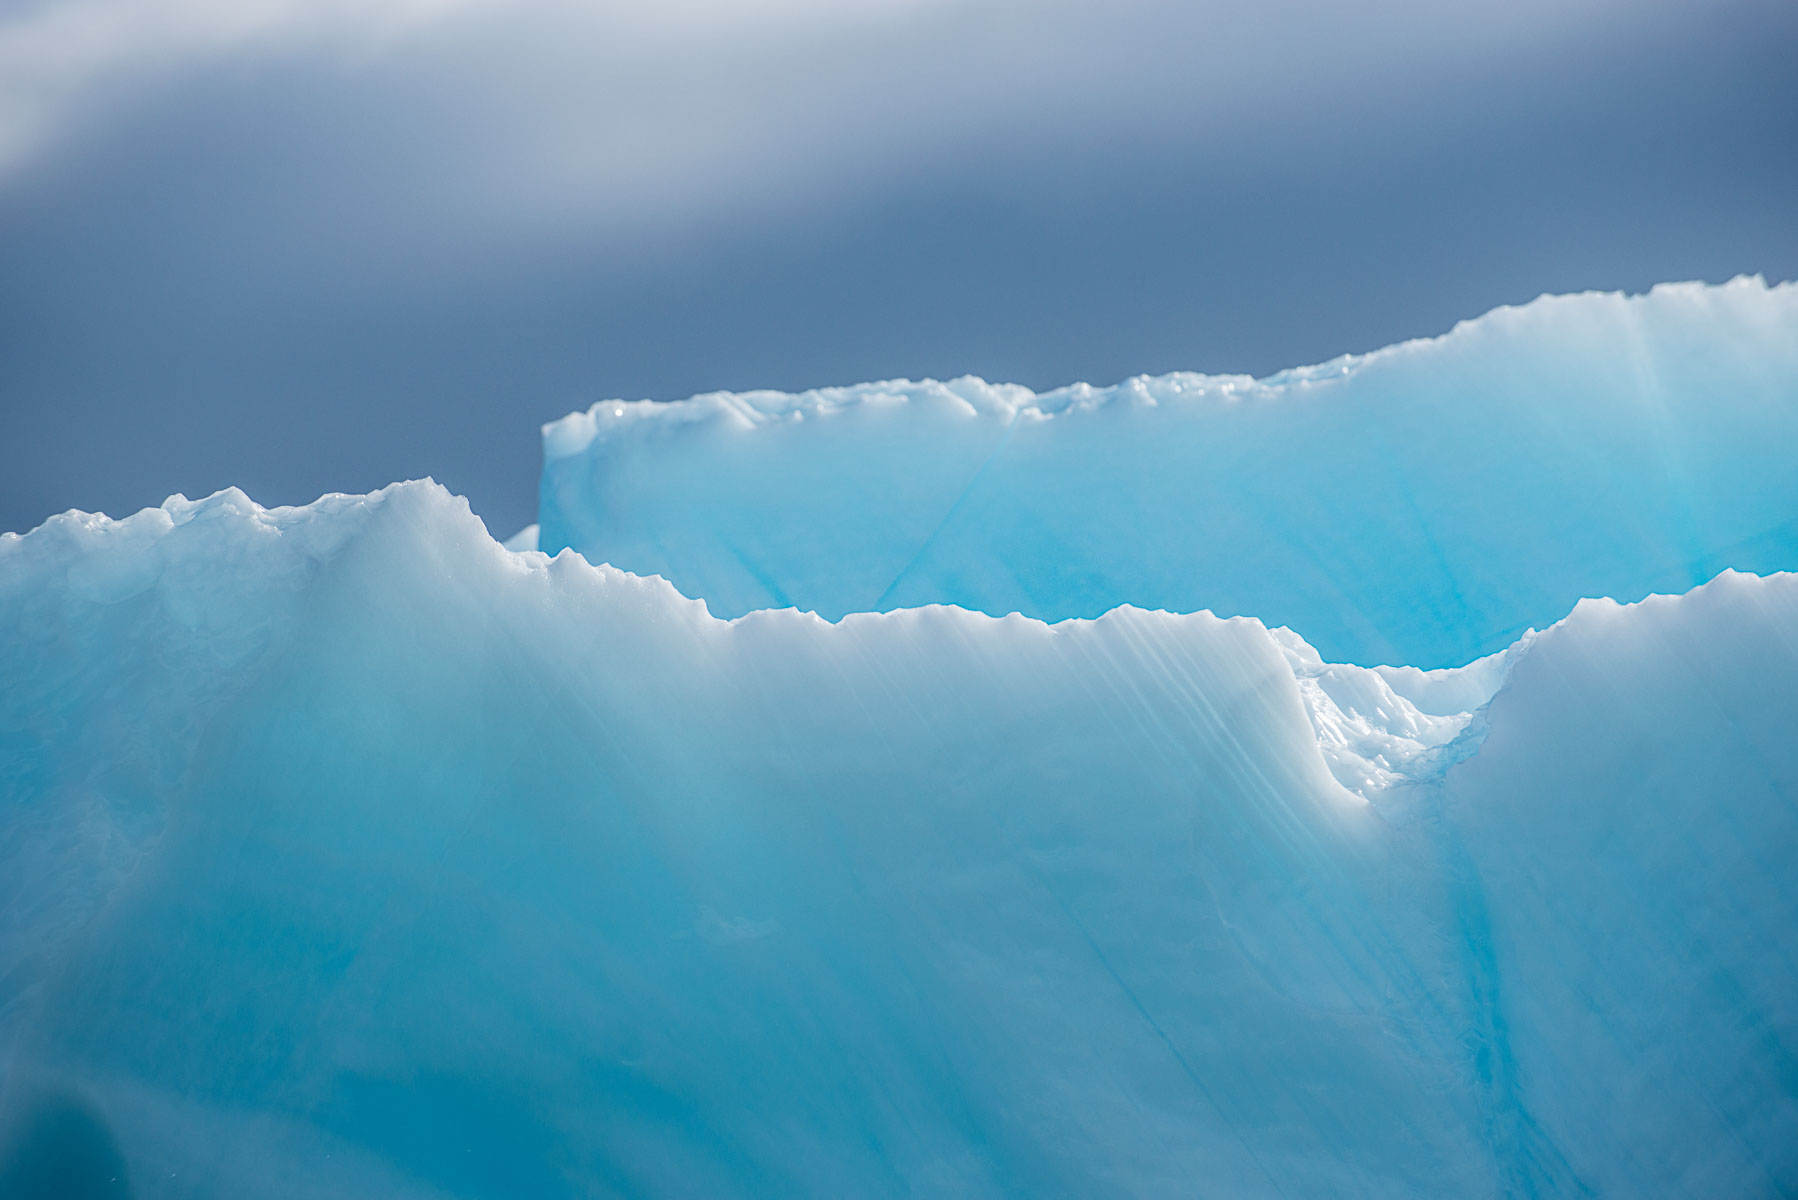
[1423, 504]
[971, 396]
[1383, 732]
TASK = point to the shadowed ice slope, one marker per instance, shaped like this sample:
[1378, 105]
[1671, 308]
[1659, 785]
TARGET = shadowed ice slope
[1424, 504]
[344, 852]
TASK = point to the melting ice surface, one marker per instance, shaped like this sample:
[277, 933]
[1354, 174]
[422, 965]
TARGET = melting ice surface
[345, 852]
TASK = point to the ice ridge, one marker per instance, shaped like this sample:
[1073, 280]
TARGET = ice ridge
[346, 852]
[1423, 504]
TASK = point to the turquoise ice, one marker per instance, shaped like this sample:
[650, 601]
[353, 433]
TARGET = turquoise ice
[346, 852]
[1424, 504]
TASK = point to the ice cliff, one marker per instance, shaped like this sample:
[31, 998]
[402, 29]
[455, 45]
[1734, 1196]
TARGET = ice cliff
[1424, 504]
[345, 852]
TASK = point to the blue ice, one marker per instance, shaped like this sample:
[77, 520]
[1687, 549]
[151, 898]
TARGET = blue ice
[1424, 504]
[346, 852]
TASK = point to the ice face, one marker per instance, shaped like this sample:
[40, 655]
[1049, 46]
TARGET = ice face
[1423, 505]
[347, 853]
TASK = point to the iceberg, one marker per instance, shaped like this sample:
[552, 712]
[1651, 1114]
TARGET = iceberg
[1424, 504]
[348, 853]
[345, 851]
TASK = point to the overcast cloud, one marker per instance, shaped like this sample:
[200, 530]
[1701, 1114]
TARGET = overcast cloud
[321, 245]
[626, 114]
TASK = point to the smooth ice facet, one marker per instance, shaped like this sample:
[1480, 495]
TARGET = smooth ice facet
[1424, 504]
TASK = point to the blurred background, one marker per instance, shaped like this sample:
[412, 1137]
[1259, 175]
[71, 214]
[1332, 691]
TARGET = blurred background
[319, 245]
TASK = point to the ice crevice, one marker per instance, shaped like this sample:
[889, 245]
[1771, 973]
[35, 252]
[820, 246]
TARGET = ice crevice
[1382, 728]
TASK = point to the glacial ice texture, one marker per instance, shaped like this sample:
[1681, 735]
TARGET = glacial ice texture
[1425, 504]
[347, 853]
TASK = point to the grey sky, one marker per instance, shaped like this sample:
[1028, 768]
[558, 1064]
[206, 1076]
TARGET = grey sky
[320, 246]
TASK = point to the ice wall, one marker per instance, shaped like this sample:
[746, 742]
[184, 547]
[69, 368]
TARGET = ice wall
[346, 853]
[1424, 504]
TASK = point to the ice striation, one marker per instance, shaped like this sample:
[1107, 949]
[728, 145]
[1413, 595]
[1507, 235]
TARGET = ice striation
[1424, 504]
[345, 852]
